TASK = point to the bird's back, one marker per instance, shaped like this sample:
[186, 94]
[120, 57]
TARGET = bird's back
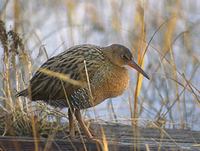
[76, 62]
[88, 64]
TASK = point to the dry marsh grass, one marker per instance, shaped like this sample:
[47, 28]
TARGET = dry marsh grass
[162, 35]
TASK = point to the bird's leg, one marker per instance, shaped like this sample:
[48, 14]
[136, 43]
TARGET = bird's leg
[71, 122]
[86, 131]
[82, 124]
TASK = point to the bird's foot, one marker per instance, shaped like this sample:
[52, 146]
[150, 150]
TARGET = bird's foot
[72, 133]
[90, 128]
[92, 131]
[97, 142]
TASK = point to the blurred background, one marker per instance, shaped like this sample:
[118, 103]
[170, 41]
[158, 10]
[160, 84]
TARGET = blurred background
[168, 29]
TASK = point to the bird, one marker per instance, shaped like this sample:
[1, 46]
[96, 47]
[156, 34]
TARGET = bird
[95, 73]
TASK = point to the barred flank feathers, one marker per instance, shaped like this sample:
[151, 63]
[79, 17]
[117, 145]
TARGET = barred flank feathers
[80, 71]
[22, 93]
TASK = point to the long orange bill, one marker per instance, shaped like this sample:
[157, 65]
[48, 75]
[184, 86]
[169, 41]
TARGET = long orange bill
[136, 67]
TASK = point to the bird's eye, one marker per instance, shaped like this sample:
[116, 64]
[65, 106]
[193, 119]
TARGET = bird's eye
[125, 57]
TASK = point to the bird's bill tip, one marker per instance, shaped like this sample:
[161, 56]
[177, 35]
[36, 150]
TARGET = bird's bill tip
[138, 68]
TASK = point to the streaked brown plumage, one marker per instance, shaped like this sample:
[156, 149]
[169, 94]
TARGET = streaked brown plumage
[107, 78]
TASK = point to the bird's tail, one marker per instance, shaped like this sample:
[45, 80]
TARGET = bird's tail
[22, 93]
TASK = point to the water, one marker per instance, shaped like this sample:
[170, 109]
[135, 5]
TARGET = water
[105, 22]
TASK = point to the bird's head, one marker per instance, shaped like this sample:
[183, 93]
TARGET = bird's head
[121, 56]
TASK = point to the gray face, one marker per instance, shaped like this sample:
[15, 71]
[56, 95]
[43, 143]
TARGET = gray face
[121, 55]
[126, 55]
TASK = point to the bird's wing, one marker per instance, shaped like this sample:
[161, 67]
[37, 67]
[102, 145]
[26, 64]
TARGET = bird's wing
[73, 63]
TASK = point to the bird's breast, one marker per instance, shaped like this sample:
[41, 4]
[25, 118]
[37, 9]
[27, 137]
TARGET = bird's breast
[108, 82]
